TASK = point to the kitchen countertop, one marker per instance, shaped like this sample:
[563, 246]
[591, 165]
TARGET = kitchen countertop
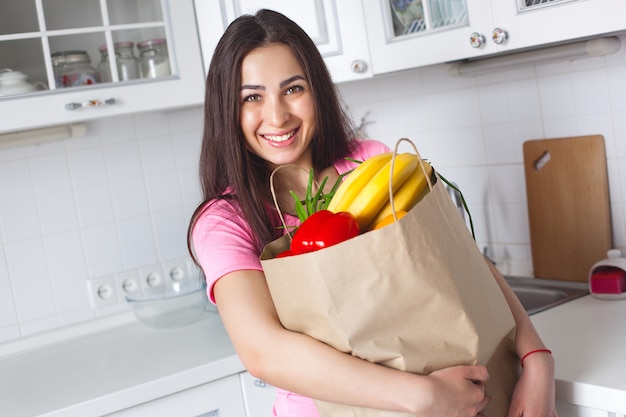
[114, 368]
[119, 366]
[587, 337]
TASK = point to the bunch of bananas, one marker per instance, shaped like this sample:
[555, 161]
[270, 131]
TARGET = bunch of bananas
[365, 191]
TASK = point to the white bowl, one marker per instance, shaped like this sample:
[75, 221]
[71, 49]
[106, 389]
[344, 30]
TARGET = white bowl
[178, 305]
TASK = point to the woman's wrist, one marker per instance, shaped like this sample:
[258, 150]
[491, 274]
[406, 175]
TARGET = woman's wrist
[534, 352]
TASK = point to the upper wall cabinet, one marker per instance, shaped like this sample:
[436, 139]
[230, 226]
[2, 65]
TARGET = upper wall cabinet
[65, 61]
[336, 26]
[411, 33]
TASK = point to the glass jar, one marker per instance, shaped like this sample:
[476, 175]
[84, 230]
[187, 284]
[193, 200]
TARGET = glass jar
[126, 62]
[73, 68]
[153, 58]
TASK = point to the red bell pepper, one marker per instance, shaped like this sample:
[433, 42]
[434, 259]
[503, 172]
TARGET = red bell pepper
[323, 229]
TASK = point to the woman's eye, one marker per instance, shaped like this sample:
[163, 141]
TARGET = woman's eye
[294, 89]
[252, 98]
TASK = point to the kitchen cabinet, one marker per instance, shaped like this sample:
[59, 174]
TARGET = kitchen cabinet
[259, 396]
[336, 27]
[413, 33]
[570, 410]
[215, 399]
[33, 31]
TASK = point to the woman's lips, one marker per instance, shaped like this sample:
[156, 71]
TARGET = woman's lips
[282, 139]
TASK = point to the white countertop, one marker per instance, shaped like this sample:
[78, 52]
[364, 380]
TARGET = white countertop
[114, 369]
[123, 365]
[587, 337]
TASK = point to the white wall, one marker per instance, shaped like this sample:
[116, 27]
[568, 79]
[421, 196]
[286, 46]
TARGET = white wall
[117, 201]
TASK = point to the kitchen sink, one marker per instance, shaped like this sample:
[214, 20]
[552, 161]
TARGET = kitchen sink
[538, 294]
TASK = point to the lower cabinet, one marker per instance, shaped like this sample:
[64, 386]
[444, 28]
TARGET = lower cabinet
[240, 395]
[258, 395]
[221, 398]
[571, 410]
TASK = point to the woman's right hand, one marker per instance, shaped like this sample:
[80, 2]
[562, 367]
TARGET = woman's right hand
[457, 391]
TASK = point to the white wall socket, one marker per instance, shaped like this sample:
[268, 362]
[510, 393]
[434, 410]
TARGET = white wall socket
[151, 277]
[175, 270]
[127, 283]
[102, 292]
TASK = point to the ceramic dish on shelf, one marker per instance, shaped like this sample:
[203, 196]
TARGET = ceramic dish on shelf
[177, 305]
[410, 13]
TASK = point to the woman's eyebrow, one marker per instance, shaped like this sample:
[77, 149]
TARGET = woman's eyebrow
[252, 87]
[292, 79]
[282, 84]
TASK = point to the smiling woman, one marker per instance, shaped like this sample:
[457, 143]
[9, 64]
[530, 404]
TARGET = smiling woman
[270, 102]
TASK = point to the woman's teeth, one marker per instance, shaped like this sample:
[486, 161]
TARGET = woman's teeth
[280, 138]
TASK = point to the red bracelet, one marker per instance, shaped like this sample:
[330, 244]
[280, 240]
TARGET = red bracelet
[533, 351]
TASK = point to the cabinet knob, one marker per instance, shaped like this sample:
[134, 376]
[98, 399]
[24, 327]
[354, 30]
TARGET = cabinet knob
[358, 66]
[476, 40]
[259, 383]
[499, 36]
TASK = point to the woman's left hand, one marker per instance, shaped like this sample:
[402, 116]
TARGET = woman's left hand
[534, 393]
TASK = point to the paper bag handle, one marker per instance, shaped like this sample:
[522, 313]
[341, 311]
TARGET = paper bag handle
[430, 184]
[393, 160]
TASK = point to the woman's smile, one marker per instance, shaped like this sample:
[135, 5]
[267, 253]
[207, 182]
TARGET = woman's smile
[280, 139]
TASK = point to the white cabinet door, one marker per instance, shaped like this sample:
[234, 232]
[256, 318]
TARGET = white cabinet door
[259, 396]
[556, 21]
[26, 45]
[570, 410]
[336, 27]
[221, 398]
[522, 24]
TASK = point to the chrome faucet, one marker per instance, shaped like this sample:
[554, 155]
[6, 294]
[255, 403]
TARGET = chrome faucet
[456, 198]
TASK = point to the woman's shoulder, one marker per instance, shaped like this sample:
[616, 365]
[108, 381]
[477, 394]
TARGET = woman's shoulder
[366, 148]
[360, 150]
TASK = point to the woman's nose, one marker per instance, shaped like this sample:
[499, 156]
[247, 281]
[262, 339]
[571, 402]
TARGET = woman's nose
[276, 111]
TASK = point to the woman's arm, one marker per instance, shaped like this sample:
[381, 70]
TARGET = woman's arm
[534, 392]
[298, 363]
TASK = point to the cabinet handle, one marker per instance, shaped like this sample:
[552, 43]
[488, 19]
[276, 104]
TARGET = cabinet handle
[259, 383]
[89, 103]
[476, 40]
[358, 66]
[214, 413]
[499, 36]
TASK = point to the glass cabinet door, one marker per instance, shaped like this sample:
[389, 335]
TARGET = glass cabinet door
[59, 44]
[415, 16]
[404, 34]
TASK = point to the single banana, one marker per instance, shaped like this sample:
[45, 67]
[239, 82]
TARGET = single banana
[356, 180]
[409, 193]
[376, 192]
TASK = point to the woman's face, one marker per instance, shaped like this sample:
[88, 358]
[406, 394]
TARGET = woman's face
[277, 106]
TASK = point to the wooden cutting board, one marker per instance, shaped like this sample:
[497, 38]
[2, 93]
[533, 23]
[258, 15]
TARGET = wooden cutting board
[568, 205]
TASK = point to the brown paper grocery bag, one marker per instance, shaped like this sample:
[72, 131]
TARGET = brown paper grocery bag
[416, 295]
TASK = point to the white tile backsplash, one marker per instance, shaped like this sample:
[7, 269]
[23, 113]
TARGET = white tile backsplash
[116, 202]
[99, 206]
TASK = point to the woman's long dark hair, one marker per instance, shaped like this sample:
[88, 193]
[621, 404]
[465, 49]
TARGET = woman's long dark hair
[228, 170]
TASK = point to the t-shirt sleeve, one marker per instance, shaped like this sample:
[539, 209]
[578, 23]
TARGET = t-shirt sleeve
[362, 150]
[223, 243]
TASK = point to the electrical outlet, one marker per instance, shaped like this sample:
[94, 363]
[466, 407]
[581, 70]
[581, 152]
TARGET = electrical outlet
[127, 283]
[176, 270]
[151, 277]
[102, 292]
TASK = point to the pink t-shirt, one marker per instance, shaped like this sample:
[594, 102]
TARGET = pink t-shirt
[223, 243]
